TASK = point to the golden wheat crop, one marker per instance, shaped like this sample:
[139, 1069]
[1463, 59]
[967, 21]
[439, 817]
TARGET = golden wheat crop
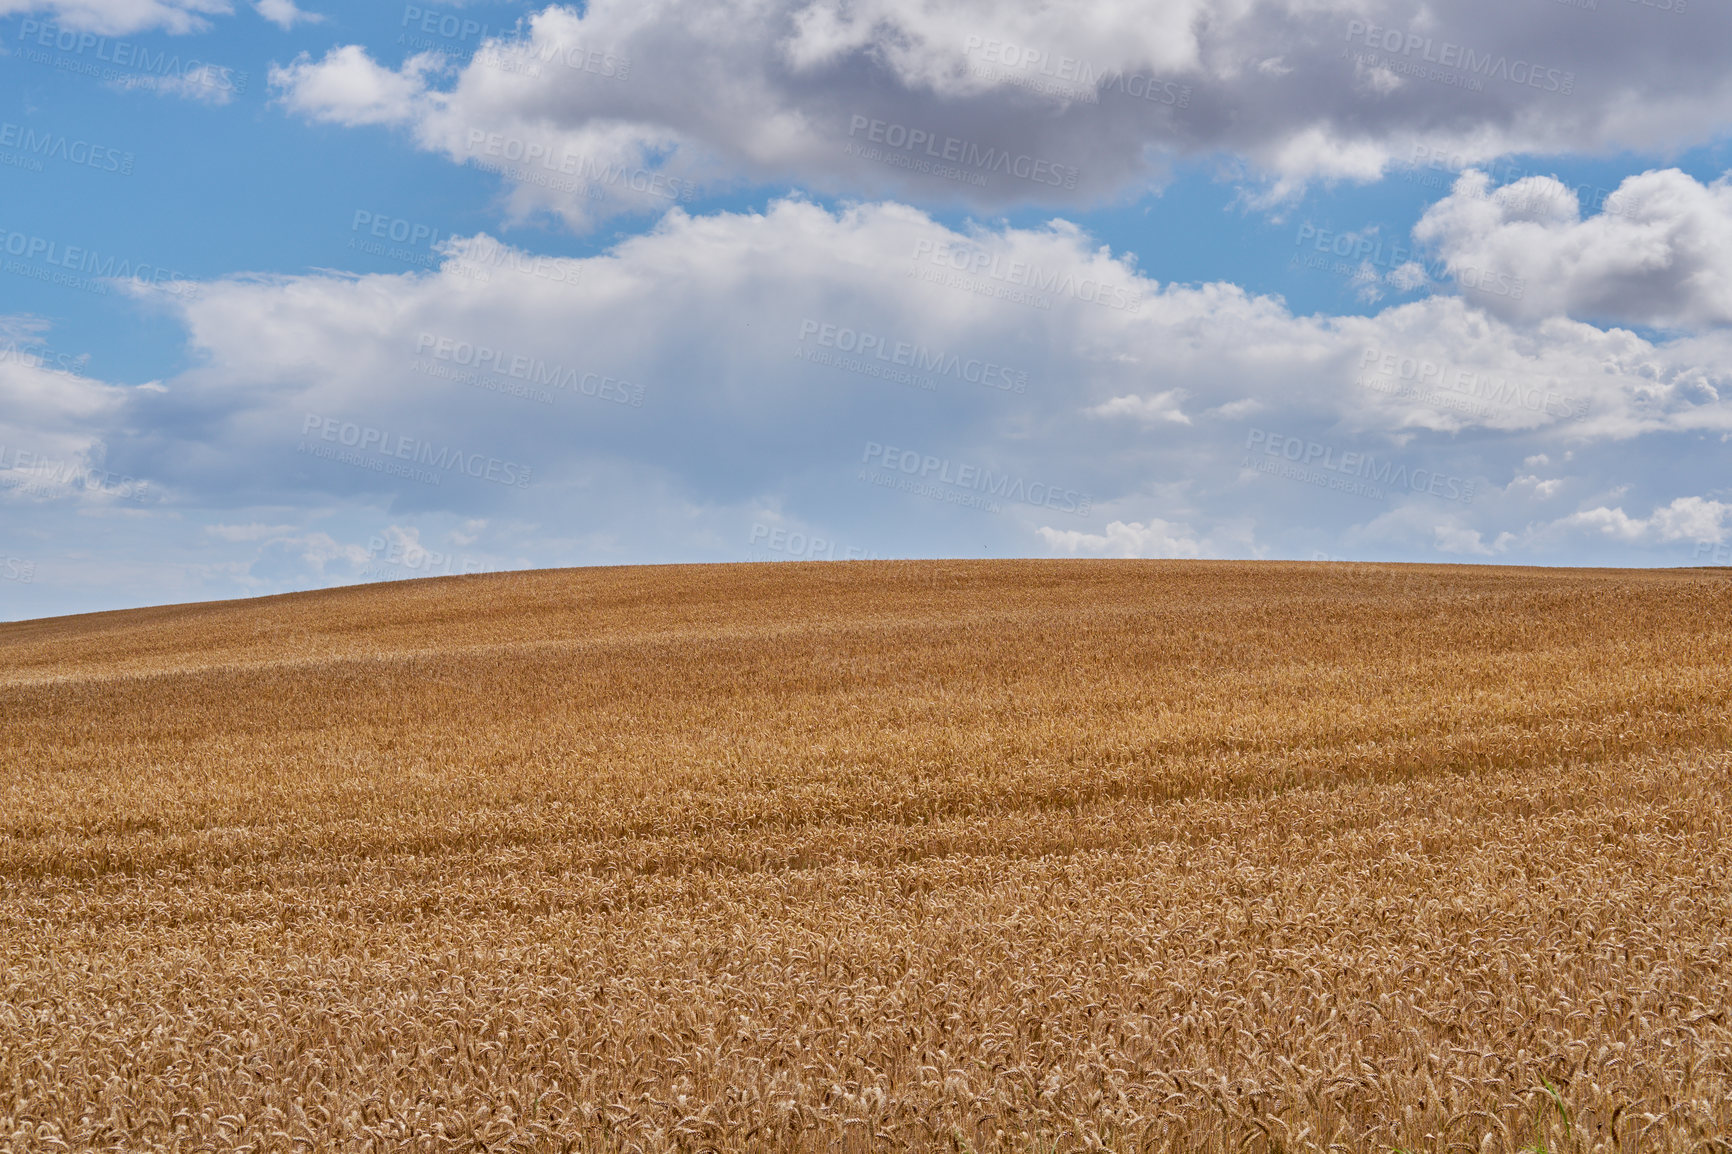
[1028, 856]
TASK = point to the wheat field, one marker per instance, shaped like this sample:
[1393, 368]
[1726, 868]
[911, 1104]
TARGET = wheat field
[969, 856]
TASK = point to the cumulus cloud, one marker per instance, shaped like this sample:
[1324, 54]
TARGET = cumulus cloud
[122, 17]
[1155, 539]
[1029, 103]
[53, 448]
[346, 87]
[882, 381]
[1684, 519]
[1659, 253]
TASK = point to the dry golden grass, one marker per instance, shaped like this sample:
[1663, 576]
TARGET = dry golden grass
[977, 856]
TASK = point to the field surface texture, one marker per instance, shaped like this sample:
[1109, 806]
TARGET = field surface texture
[1021, 856]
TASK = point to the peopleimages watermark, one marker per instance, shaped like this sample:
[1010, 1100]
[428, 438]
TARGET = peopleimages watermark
[1449, 63]
[1713, 552]
[40, 356]
[897, 360]
[525, 58]
[520, 158]
[1356, 473]
[396, 455]
[478, 257]
[485, 381]
[22, 146]
[425, 246]
[425, 23]
[531, 372]
[410, 241]
[830, 357]
[392, 554]
[973, 486]
[96, 56]
[1448, 386]
[501, 54]
[990, 274]
[56, 477]
[1066, 77]
[797, 546]
[83, 268]
[944, 155]
[915, 164]
[17, 569]
[429, 252]
[1359, 250]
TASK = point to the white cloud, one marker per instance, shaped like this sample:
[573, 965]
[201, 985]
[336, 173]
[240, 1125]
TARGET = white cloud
[1027, 102]
[726, 322]
[1409, 276]
[346, 87]
[1543, 489]
[284, 14]
[1684, 519]
[1455, 539]
[1659, 253]
[1237, 410]
[1691, 520]
[121, 17]
[771, 350]
[1162, 406]
[1157, 538]
[52, 422]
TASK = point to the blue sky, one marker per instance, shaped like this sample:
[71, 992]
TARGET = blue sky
[1367, 280]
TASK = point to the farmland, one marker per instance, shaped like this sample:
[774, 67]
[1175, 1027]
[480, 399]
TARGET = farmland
[883, 855]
